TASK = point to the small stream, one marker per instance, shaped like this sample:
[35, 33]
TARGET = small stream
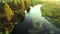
[35, 16]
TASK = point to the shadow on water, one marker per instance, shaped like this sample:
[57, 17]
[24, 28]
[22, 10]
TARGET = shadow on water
[35, 15]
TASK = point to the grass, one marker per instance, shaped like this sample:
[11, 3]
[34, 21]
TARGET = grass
[52, 11]
[1, 33]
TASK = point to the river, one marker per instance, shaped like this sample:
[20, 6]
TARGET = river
[35, 16]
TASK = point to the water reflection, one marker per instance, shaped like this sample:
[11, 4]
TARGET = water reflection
[35, 23]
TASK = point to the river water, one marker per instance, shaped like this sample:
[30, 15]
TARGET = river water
[35, 17]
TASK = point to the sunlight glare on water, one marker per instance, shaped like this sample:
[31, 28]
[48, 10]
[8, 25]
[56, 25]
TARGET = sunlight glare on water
[36, 13]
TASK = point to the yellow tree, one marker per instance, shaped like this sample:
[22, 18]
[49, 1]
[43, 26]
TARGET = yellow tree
[8, 12]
